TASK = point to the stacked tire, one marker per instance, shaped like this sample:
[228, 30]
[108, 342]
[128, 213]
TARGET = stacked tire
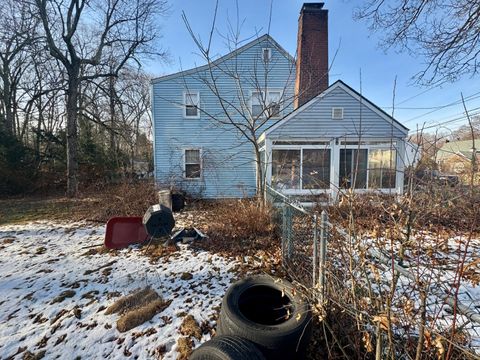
[262, 318]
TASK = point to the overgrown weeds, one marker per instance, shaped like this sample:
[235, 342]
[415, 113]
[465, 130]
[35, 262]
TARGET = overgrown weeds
[101, 202]
[238, 227]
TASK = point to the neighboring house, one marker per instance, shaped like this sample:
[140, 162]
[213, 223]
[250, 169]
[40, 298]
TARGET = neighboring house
[456, 156]
[330, 139]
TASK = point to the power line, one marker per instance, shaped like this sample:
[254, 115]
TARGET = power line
[451, 120]
[433, 107]
[457, 102]
[421, 93]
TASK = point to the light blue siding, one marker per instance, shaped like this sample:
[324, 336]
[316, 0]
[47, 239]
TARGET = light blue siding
[228, 161]
[359, 120]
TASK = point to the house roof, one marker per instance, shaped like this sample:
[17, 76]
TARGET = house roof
[218, 61]
[462, 148]
[349, 90]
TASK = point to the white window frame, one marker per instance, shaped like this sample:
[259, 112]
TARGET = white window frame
[372, 145]
[184, 156]
[185, 95]
[333, 113]
[301, 190]
[269, 57]
[267, 103]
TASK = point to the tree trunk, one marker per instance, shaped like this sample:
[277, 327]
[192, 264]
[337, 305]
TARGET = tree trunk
[72, 137]
[113, 149]
[7, 102]
[259, 173]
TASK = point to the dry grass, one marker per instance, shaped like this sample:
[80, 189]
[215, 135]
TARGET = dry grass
[101, 203]
[436, 207]
[137, 299]
[190, 327]
[184, 348]
[136, 308]
[235, 227]
[138, 316]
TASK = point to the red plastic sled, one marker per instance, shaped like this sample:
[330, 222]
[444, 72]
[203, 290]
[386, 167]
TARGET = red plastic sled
[123, 231]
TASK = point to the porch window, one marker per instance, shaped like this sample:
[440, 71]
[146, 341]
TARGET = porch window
[286, 169]
[353, 168]
[192, 163]
[382, 164]
[367, 168]
[316, 169]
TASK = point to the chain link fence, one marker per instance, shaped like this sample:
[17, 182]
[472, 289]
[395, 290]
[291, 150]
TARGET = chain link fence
[415, 306]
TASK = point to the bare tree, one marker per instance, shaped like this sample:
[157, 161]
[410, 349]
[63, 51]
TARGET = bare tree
[83, 35]
[16, 34]
[250, 108]
[445, 33]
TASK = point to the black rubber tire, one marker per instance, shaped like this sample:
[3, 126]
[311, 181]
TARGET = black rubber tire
[255, 309]
[227, 348]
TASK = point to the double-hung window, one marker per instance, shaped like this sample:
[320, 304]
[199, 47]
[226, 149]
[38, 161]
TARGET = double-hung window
[191, 101]
[192, 163]
[266, 103]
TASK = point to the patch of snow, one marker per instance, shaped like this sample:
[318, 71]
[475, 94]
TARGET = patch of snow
[41, 260]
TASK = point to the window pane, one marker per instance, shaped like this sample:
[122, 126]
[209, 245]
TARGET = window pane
[257, 103]
[273, 102]
[191, 104]
[266, 55]
[191, 110]
[316, 169]
[382, 165]
[286, 169]
[353, 168]
[192, 156]
[257, 110]
[192, 170]
[359, 166]
[191, 99]
[345, 168]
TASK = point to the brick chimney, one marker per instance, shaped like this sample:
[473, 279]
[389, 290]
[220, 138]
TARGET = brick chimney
[312, 53]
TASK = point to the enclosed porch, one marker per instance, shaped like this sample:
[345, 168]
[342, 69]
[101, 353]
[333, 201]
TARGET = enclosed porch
[322, 169]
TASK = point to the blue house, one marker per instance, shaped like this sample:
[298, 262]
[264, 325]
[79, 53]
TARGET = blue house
[207, 119]
[257, 116]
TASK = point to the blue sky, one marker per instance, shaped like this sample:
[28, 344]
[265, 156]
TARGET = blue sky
[357, 51]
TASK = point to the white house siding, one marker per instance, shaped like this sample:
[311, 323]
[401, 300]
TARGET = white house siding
[228, 159]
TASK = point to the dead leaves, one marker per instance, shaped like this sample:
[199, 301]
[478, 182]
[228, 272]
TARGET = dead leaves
[384, 322]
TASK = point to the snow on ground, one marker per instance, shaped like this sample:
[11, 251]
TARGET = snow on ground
[435, 262]
[40, 262]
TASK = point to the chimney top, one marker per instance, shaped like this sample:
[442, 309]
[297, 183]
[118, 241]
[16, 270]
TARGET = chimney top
[310, 7]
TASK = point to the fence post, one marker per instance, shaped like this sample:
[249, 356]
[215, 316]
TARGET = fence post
[289, 224]
[284, 231]
[323, 254]
[315, 251]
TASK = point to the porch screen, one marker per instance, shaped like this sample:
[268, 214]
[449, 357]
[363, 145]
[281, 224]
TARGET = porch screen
[316, 169]
[286, 169]
[381, 165]
[353, 168]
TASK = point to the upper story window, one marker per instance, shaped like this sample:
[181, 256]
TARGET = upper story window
[266, 54]
[337, 113]
[266, 103]
[191, 101]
